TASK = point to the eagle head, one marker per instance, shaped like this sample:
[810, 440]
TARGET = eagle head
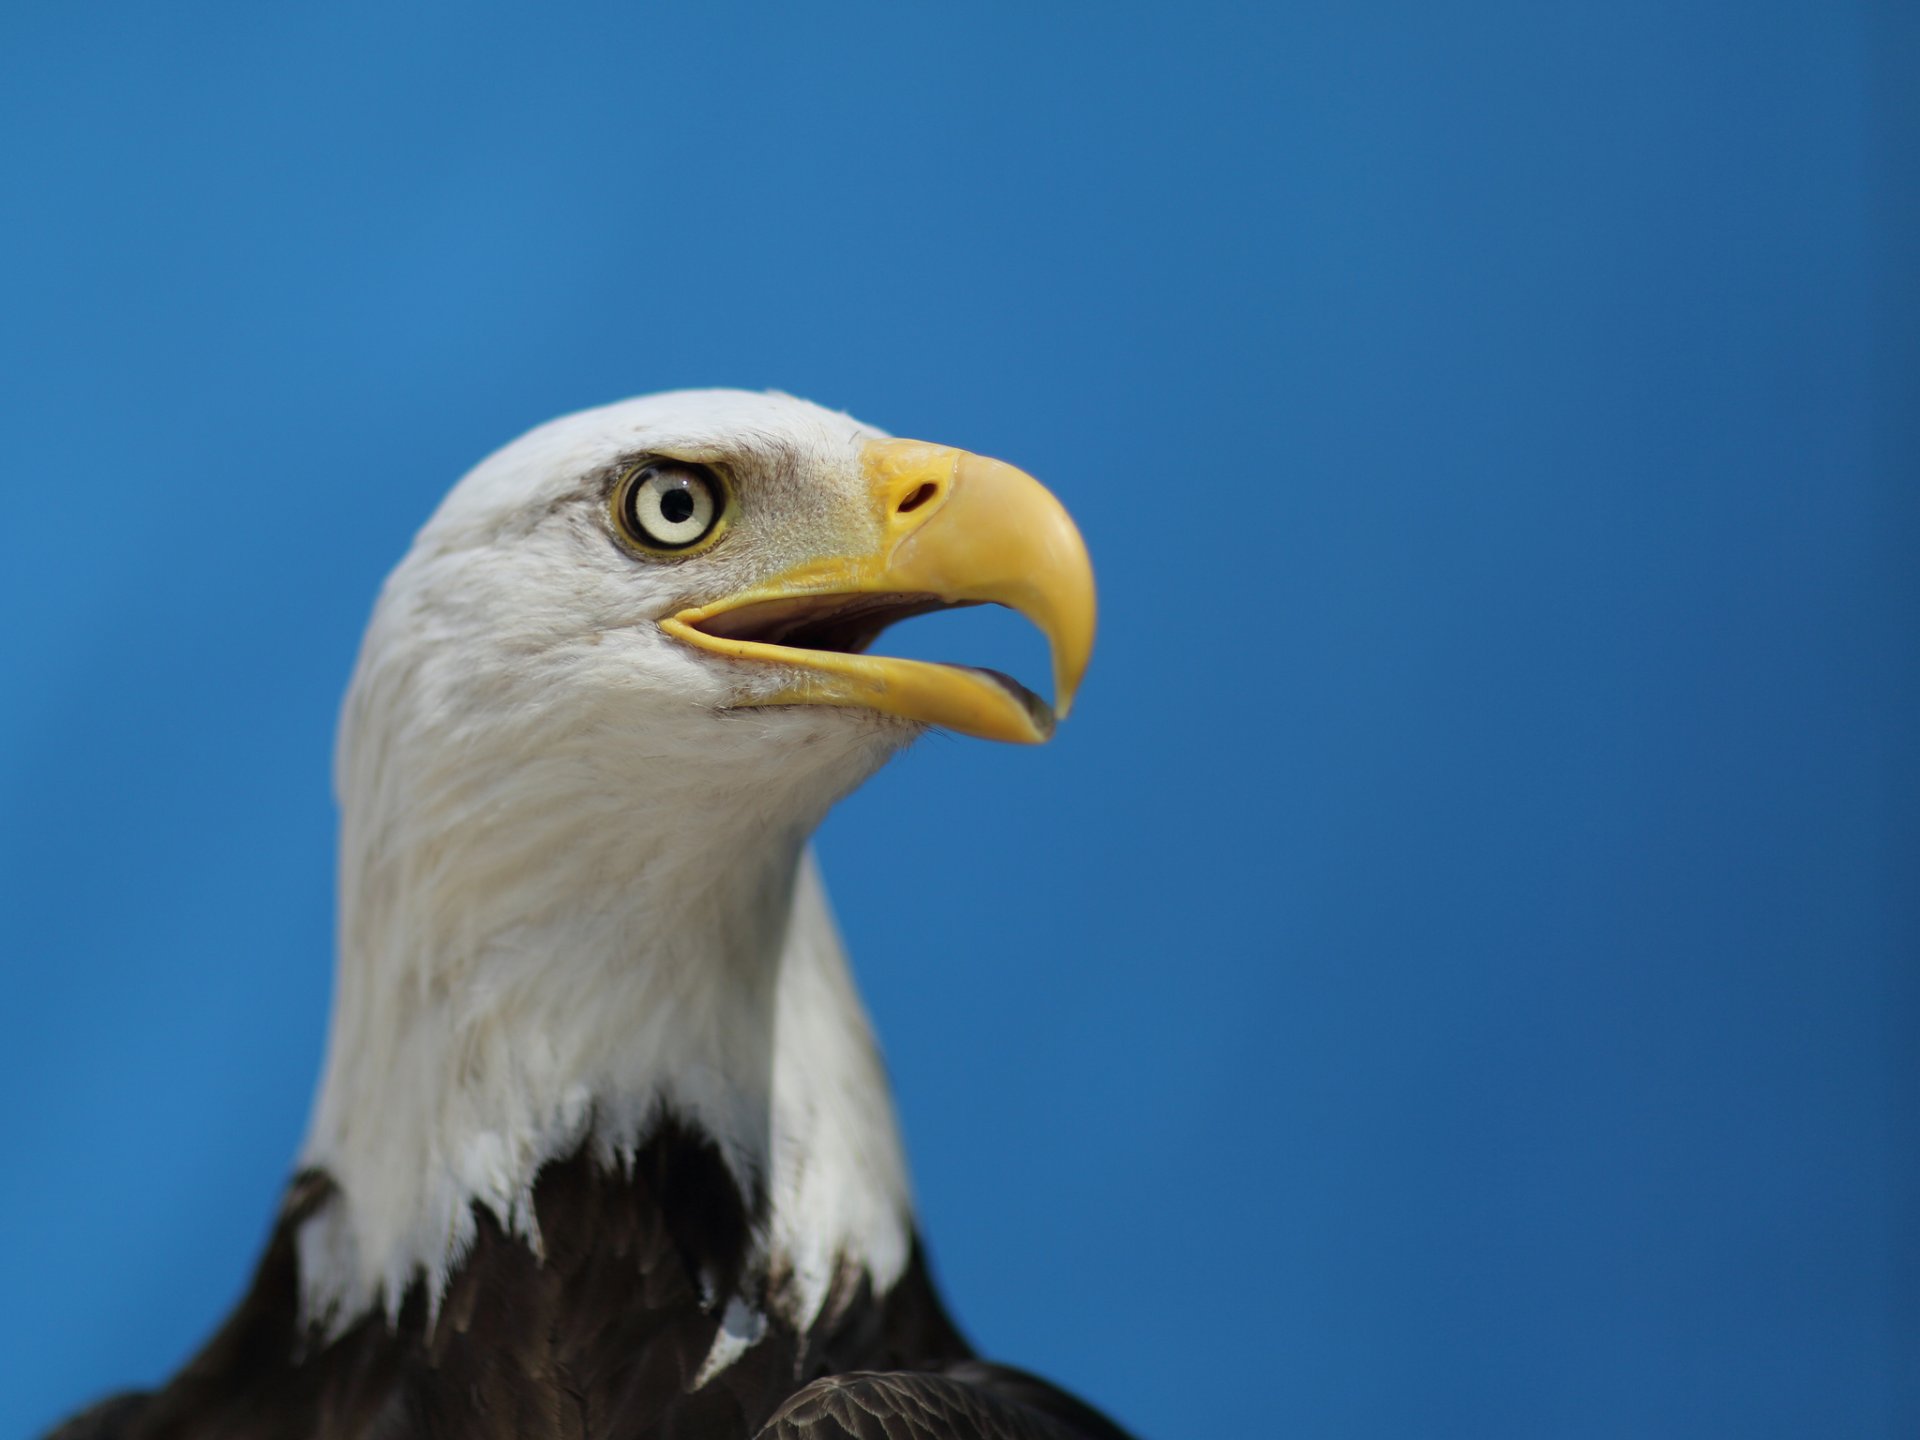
[603, 701]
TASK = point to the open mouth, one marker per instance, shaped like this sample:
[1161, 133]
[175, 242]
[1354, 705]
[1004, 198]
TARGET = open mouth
[842, 624]
[846, 624]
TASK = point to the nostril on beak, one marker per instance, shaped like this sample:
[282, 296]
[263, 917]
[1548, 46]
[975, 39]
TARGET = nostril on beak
[921, 495]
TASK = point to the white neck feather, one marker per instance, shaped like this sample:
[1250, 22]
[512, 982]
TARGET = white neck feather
[542, 954]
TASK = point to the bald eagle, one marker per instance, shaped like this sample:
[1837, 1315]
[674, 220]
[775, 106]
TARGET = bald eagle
[602, 1146]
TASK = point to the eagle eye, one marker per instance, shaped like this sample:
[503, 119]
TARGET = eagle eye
[668, 506]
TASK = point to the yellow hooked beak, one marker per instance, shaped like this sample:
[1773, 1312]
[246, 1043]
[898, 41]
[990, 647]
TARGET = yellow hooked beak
[955, 529]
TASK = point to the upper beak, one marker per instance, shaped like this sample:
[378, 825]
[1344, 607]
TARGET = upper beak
[954, 529]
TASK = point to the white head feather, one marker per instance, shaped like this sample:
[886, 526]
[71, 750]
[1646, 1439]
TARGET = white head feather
[573, 888]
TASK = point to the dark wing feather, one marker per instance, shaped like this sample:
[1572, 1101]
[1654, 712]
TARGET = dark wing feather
[107, 1420]
[1080, 1418]
[971, 1401]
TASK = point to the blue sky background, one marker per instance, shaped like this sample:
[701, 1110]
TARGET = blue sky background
[1458, 973]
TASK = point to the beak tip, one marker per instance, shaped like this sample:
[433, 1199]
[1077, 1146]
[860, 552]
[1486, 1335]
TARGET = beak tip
[1066, 685]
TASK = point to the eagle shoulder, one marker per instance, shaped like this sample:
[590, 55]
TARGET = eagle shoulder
[971, 1400]
[108, 1419]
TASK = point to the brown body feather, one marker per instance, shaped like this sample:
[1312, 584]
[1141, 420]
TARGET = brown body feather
[599, 1338]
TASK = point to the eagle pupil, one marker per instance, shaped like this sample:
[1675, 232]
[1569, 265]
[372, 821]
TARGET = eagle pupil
[676, 507]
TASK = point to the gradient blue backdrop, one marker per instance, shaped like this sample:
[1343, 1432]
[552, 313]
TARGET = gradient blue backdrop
[1455, 975]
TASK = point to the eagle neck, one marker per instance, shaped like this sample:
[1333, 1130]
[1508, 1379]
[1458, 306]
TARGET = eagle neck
[503, 1004]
